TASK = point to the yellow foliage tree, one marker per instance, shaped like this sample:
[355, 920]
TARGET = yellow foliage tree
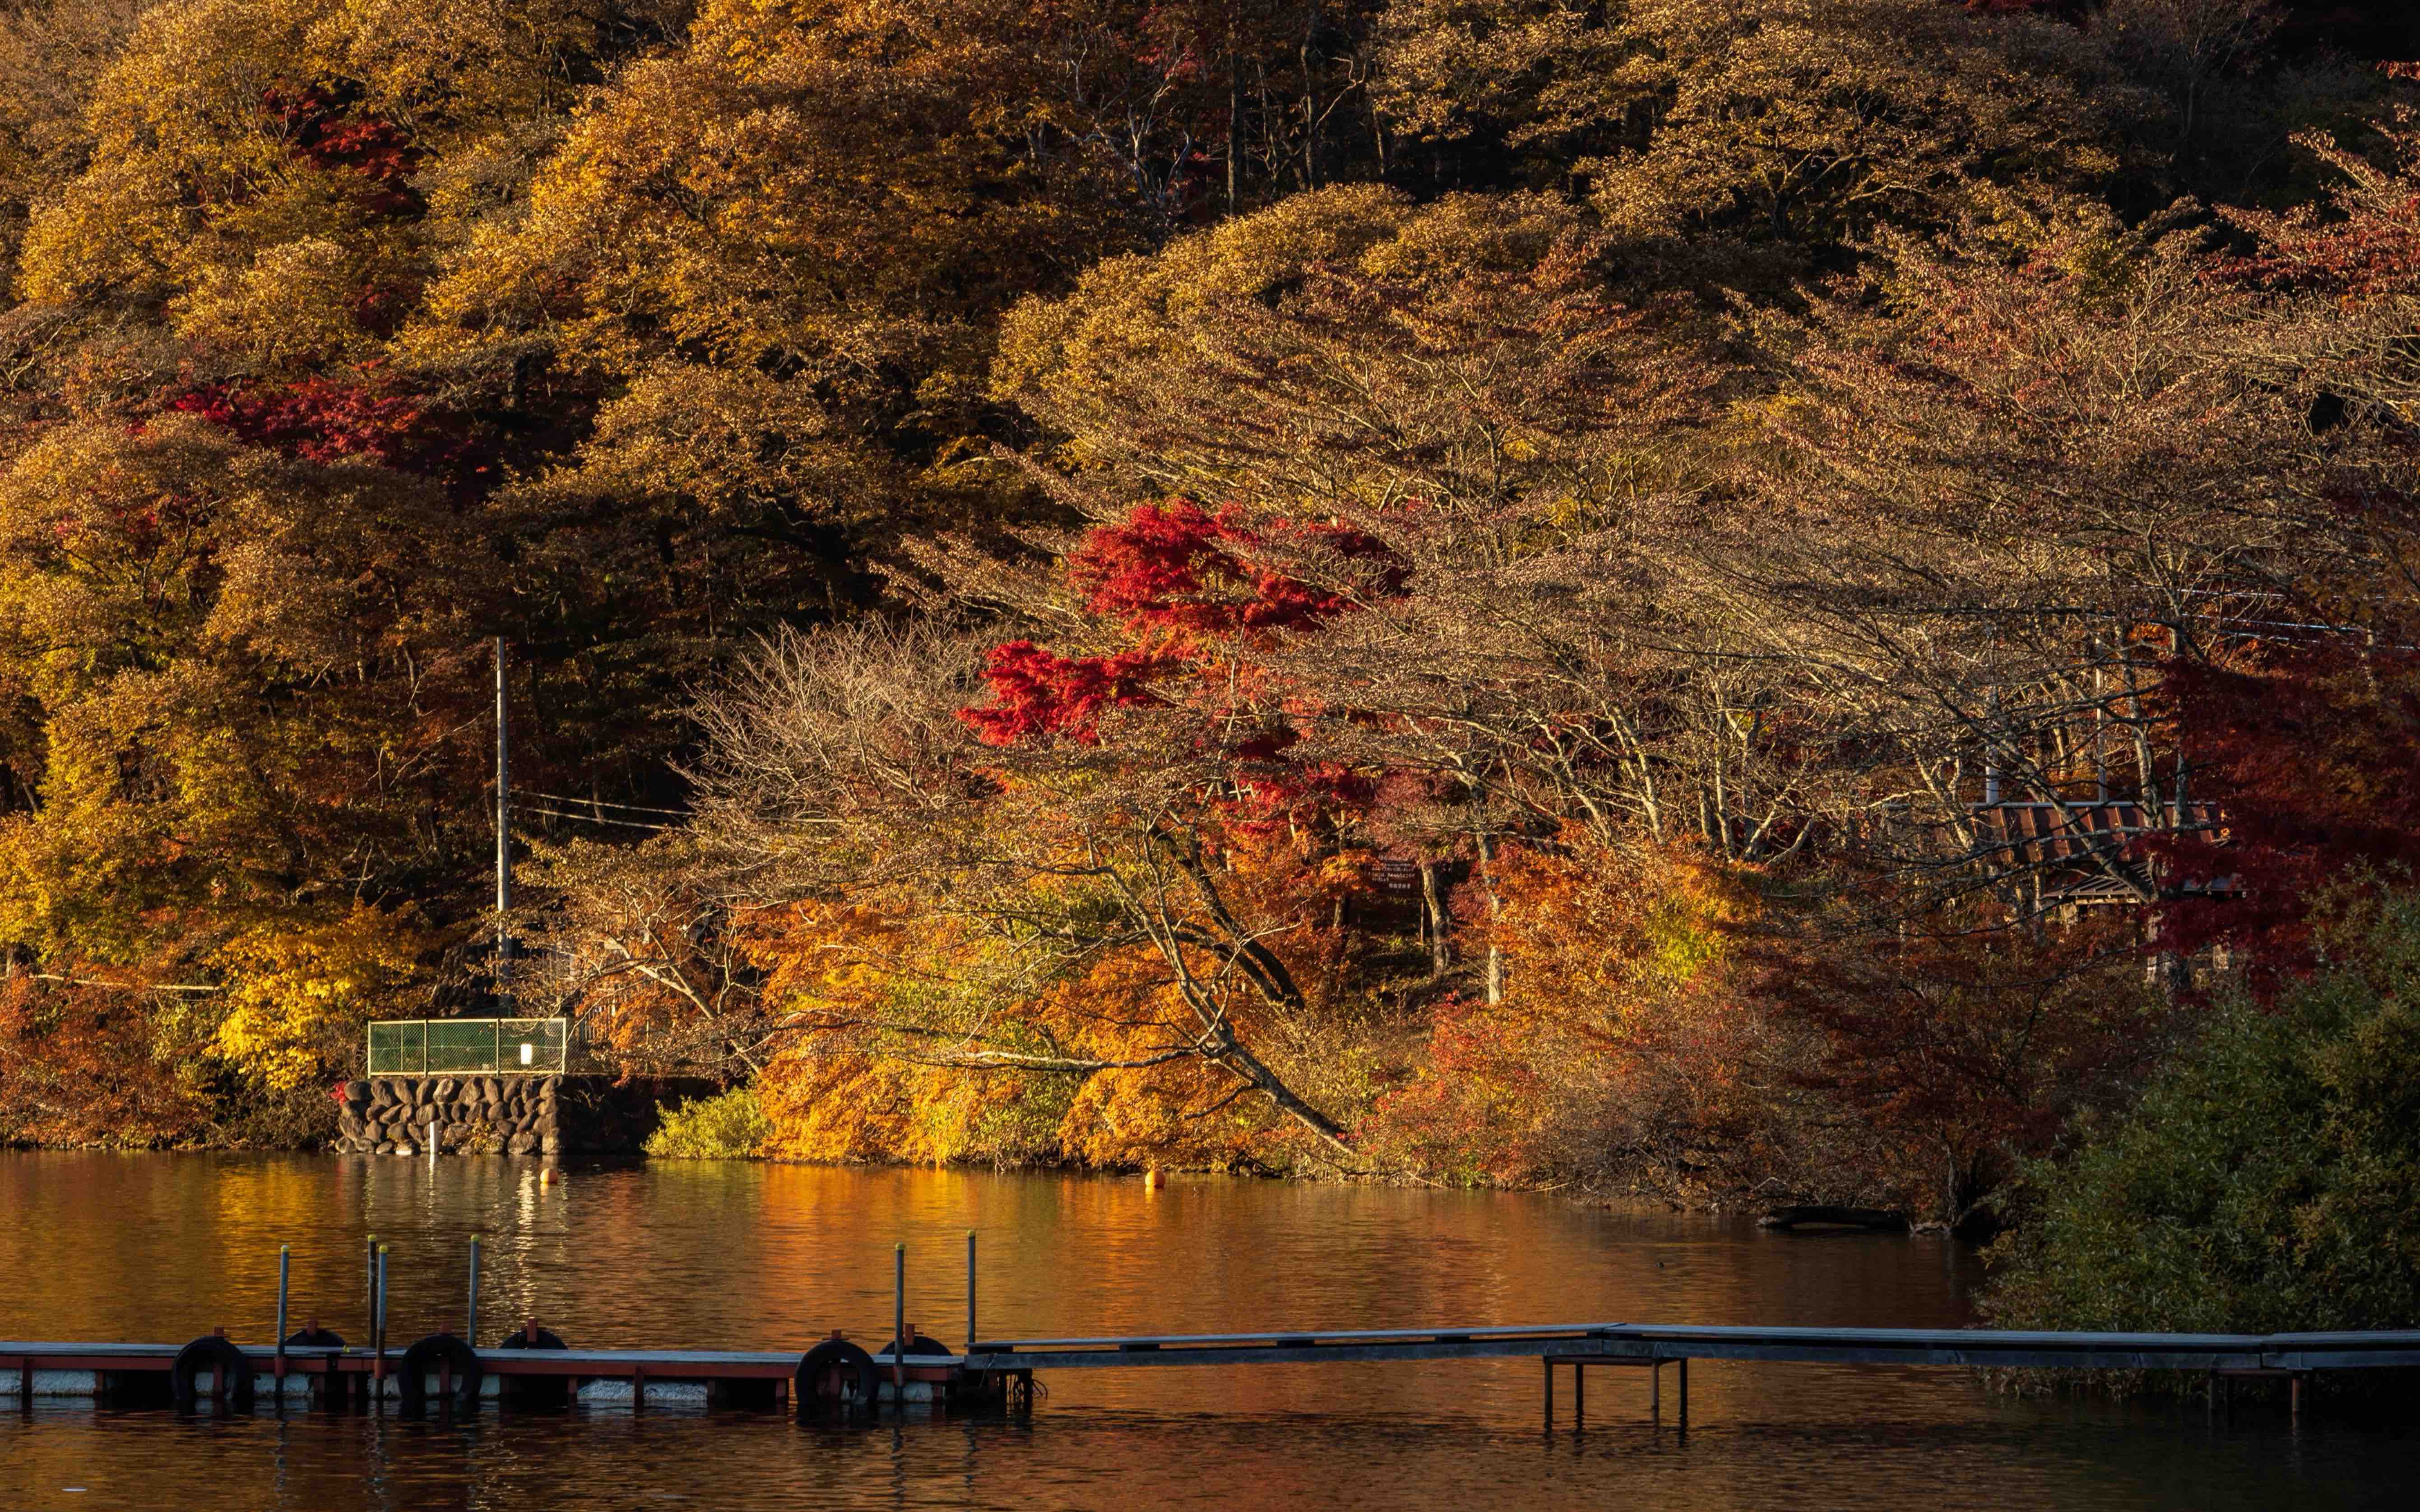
[298, 994]
[220, 650]
[52, 54]
[280, 176]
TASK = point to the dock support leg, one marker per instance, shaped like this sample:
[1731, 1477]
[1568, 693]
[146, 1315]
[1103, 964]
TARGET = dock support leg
[1684, 1395]
[378, 1341]
[2294, 1395]
[1655, 1390]
[1579, 1397]
[277, 1367]
[1549, 1363]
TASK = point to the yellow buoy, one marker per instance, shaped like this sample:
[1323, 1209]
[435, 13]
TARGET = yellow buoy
[1152, 1180]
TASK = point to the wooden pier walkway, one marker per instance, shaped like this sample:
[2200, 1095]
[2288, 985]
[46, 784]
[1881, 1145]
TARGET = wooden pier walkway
[999, 1372]
[2221, 1359]
[534, 1368]
[1977, 1348]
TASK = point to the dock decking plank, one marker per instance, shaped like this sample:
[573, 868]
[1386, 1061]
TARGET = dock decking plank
[1554, 1342]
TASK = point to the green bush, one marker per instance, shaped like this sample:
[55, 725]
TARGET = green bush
[727, 1127]
[2269, 1179]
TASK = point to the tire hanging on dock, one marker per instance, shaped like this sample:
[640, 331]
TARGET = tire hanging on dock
[421, 1361]
[213, 1352]
[961, 1387]
[534, 1392]
[531, 1338]
[327, 1386]
[847, 1360]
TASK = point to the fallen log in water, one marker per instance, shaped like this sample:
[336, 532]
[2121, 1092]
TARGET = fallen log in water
[1880, 1220]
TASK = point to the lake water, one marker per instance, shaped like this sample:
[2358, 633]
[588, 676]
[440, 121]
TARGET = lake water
[162, 1248]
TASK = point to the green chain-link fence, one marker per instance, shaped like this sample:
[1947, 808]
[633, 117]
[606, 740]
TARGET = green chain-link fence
[478, 1047]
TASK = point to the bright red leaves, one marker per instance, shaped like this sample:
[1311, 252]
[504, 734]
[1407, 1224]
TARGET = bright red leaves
[1192, 589]
[1036, 694]
[317, 420]
[325, 127]
[1180, 568]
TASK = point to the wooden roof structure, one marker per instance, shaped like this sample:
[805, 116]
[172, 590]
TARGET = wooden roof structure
[2075, 846]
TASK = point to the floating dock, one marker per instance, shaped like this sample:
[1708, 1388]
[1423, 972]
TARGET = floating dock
[531, 1368]
[138, 1375]
[998, 1373]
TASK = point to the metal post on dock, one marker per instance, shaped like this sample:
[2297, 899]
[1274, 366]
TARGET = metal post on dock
[277, 1368]
[970, 1291]
[898, 1325]
[369, 1297]
[277, 1359]
[378, 1338]
[470, 1315]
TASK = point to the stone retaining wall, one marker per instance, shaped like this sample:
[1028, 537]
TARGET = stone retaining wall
[501, 1114]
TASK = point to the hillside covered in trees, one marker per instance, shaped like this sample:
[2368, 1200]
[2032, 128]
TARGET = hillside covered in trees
[1695, 595]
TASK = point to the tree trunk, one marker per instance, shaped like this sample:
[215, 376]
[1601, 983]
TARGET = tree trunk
[1310, 100]
[1433, 915]
[1234, 126]
[1495, 921]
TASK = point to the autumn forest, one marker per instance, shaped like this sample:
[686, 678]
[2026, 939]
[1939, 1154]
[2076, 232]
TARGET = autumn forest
[1693, 597]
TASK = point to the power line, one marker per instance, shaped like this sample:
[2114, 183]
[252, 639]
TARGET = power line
[594, 819]
[606, 803]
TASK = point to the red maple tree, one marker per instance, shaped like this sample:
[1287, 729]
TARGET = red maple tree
[1192, 592]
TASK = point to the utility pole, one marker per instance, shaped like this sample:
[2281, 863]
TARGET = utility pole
[503, 837]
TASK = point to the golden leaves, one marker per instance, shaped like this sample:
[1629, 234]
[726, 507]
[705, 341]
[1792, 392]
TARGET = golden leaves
[298, 992]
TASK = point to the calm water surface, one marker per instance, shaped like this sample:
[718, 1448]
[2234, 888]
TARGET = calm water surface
[164, 1248]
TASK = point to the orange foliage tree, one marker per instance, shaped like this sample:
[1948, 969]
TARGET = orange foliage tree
[1616, 1037]
[77, 1066]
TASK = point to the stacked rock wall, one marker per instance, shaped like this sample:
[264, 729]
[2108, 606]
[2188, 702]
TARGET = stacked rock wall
[504, 1115]
[486, 1115]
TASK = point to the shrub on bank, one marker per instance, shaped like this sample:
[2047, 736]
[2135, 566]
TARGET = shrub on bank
[729, 1126]
[2266, 1180]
